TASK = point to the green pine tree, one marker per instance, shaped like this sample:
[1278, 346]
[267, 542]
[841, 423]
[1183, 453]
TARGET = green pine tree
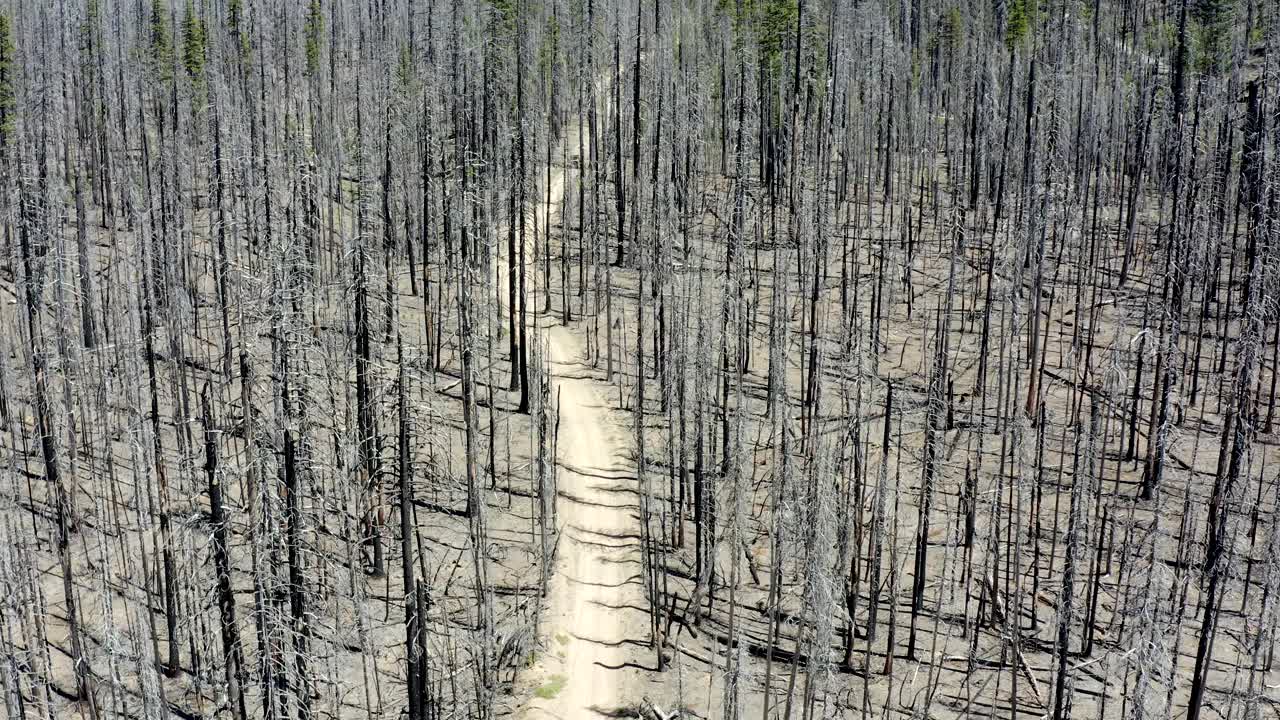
[161, 43]
[8, 99]
[404, 69]
[951, 29]
[88, 29]
[1214, 21]
[235, 25]
[1020, 22]
[193, 44]
[769, 22]
[777, 22]
[506, 15]
[314, 29]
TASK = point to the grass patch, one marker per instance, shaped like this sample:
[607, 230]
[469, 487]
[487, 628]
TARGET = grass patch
[562, 638]
[552, 687]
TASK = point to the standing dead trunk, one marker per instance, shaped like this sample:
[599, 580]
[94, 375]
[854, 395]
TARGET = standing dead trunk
[232, 655]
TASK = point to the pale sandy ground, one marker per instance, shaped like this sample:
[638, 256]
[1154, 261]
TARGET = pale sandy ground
[592, 636]
[594, 626]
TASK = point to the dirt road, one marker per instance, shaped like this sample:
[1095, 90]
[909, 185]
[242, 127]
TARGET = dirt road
[594, 624]
[593, 628]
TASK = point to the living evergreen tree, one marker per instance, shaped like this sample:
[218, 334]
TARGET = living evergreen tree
[235, 27]
[1020, 21]
[1214, 18]
[161, 42]
[8, 98]
[314, 30]
[193, 44]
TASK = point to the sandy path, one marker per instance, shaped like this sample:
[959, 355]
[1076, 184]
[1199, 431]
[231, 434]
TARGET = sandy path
[594, 622]
[593, 627]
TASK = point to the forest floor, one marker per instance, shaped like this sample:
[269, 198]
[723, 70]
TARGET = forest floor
[967, 668]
